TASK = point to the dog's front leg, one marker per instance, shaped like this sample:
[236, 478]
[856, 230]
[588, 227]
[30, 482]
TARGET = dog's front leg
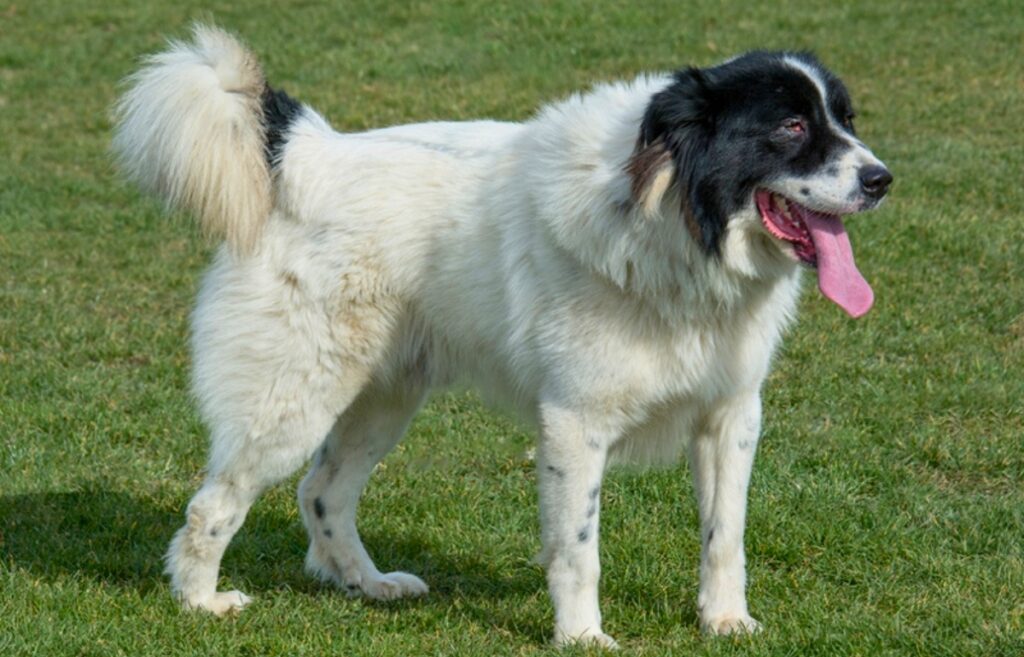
[721, 458]
[570, 465]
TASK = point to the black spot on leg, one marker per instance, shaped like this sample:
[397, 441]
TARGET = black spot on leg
[556, 471]
[318, 508]
[214, 532]
[711, 535]
[592, 504]
[328, 533]
[806, 191]
[584, 534]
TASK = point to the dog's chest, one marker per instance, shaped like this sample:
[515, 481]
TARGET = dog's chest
[707, 363]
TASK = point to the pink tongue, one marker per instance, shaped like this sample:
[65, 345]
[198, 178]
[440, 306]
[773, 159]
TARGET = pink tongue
[838, 278]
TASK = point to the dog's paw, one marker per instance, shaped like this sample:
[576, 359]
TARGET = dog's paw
[221, 603]
[731, 624]
[390, 586]
[586, 639]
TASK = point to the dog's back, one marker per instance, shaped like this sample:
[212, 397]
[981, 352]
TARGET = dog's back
[200, 128]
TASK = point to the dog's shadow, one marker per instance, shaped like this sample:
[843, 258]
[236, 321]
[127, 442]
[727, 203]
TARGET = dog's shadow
[119, 540]
[107, 536]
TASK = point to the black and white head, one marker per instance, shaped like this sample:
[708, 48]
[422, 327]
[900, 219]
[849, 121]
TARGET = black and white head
[762, 152]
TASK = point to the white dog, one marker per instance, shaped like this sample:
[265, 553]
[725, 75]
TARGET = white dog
[619, 268]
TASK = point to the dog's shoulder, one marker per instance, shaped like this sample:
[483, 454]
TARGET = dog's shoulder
[594, 127]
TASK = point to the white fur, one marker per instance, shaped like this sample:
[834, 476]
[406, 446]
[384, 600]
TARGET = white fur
[508, 256]
[186, 132]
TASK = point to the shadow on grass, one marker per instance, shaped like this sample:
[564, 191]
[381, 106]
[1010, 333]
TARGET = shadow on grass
[120, 539]
[111, 537]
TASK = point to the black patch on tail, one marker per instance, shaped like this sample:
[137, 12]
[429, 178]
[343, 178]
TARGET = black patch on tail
[279, 112]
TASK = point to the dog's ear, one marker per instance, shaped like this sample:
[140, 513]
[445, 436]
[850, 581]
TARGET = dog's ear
[651, 172]
[673, 146]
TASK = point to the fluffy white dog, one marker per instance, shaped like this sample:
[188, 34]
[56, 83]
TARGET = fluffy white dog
[619, 268]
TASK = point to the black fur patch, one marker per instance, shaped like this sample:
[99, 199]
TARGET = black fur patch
[318, 508]
[721, 127]
[594, 493]
[279, 111]
[558, 472]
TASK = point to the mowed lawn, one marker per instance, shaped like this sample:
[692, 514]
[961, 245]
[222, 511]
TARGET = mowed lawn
[887, 506]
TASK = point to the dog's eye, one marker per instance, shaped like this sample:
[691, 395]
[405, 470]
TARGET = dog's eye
[794, 127]
[848, 122]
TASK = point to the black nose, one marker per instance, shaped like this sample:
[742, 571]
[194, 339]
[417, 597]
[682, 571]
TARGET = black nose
[875, 180]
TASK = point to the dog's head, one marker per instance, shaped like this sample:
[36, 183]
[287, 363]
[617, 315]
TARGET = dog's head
[761, 150]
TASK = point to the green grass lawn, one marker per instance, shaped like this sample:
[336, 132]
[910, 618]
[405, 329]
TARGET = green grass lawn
[887, 510]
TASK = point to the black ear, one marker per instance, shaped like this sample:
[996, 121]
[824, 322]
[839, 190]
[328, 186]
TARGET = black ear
[681, 105]
[680, 122]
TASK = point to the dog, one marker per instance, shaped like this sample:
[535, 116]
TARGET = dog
[619, 269]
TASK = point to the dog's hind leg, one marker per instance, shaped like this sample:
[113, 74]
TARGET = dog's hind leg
[329, 494]
[272, 375]
[242, 466]
[238, 474]
[721, 459]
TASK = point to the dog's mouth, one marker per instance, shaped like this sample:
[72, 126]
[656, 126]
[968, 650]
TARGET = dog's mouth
[820, 241]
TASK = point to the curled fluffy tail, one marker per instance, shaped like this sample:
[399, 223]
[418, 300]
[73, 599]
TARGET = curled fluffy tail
[191, 129]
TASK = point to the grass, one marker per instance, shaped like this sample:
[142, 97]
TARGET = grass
[887, 514]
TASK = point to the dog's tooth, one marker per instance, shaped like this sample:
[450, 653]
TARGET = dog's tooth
[787, 212]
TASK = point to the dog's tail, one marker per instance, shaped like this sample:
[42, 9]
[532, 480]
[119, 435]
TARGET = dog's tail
[199, 127]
